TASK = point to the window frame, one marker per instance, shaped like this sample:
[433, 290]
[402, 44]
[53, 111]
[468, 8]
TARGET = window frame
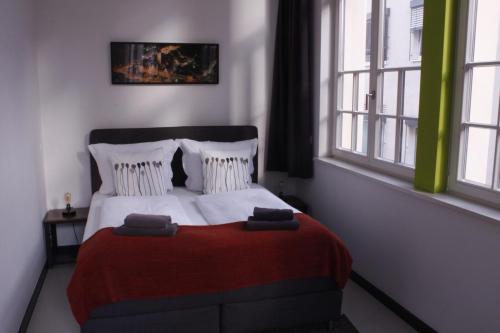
[463, 67]
[370, 160]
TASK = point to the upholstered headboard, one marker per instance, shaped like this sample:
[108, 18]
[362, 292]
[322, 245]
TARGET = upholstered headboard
[199, 133]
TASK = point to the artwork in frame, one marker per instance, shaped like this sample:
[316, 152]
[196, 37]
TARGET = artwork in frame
[164, 63]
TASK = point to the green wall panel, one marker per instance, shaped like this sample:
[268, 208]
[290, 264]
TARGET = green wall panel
[436, 86]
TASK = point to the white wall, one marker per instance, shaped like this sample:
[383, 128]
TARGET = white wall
[22, 202]
[439, 263]
[74, 65]
[77, 96]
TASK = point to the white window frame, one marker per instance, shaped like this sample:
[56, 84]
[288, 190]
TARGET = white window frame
[369, 160]
[456, 183]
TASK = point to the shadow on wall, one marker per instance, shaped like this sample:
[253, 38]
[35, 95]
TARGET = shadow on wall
[252, 62]
[252, 58]
[77, 95]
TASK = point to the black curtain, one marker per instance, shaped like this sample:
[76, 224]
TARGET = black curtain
[290, 144]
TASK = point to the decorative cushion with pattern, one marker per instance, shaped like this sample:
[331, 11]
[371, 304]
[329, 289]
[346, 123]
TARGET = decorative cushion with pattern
[139, 174]
[191, 151]
[225, 171]
[102, 153]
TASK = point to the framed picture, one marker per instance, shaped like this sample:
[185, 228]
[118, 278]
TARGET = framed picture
[164, 63]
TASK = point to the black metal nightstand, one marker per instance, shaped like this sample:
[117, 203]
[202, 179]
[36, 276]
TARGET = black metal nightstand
[61, 254]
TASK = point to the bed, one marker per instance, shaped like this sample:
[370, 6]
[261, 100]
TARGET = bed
[247, 306]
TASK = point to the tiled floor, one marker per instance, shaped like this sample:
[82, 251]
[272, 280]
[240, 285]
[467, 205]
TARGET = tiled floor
[53, 315]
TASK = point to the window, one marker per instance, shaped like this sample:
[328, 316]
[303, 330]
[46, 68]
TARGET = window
[368, 50]
[369, 35]
[377, 99]
[416, 26]
[476, 152]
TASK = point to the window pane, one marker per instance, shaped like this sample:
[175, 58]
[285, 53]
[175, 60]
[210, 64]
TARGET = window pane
[362, 133]
[480, 155]
[416, 45]
[387, 141]
[484, 95]
[390, 96]
[411, 94]
[487, 34]
[347, 84]
[409, 142]
[364, 84]
[345, 121]
[357, 14]
[402, 36]
[497, 187]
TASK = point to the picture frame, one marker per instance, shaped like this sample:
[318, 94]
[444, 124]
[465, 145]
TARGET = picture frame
[164, 63]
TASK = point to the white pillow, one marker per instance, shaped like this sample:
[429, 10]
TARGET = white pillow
[102, 154]
[139, 174]
[225, 171]
[191, 158]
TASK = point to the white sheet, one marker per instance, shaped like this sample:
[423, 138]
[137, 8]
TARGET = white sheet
[186, 198]
[188, 202]
[116, 209]
[93, 220]
[221, 208]
[113, 211]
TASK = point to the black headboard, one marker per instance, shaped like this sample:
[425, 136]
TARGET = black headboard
[199, 133]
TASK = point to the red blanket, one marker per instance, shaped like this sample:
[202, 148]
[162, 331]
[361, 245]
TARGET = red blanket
[201, 259]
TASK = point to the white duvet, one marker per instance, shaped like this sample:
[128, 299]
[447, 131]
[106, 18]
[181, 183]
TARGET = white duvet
[221, 208]
[113, 211]
[185, 207]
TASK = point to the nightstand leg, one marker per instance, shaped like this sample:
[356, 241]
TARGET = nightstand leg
[53, 236]
[53, 245]
[48, 245]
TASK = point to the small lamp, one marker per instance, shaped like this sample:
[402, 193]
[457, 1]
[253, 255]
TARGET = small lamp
[69, 211]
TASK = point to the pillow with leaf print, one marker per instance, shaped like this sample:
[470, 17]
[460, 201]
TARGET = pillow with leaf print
[226, 171]
[191, 151]
[139, 174]
[102, 153]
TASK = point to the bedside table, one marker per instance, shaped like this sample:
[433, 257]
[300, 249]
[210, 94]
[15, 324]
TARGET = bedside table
[54, 217]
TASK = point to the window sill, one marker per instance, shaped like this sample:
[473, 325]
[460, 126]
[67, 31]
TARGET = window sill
[485, 213]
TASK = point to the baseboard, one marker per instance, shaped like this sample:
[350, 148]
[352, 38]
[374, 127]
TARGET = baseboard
[31, 306]
[400, 311]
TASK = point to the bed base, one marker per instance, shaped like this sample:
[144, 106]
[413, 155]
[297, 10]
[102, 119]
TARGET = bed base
[247, 310]
[245, 317]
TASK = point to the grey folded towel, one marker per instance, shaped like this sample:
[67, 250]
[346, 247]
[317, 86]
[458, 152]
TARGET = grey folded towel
[254, 224]
[269, 214]
[147, 221]
[167, 231]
